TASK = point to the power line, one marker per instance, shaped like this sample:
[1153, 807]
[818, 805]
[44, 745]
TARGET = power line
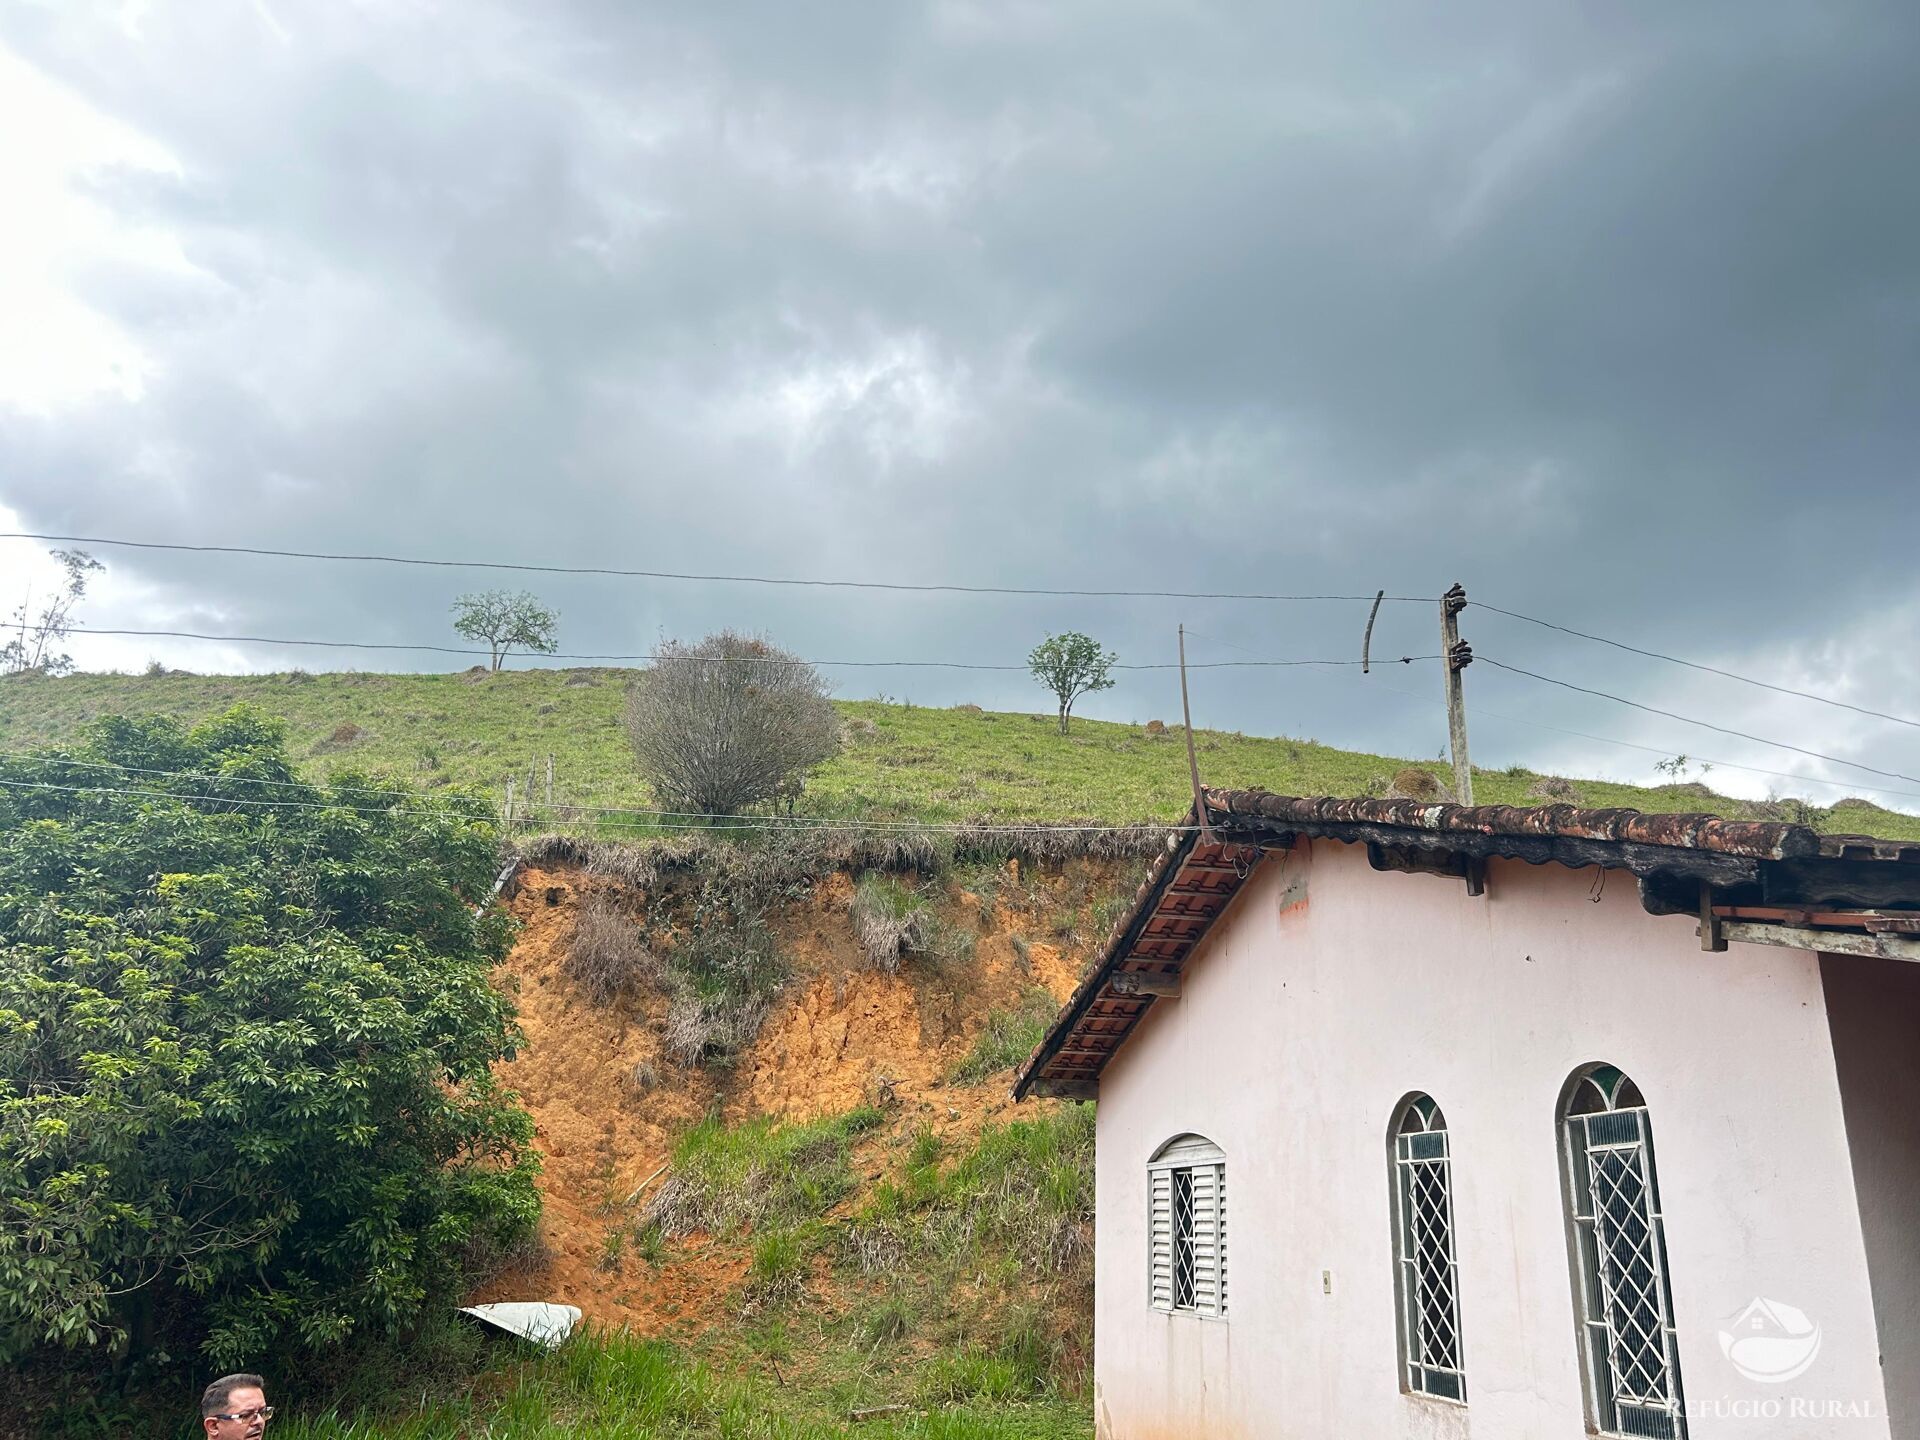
[789, 824]
[1480, 711]
[1696, 665]
[531, 568]
[1610, 740]
[211, 777]
[1703, 724]
[656, 656]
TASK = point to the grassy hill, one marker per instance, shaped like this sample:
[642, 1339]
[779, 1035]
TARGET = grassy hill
[840, 1213]
[900, 760]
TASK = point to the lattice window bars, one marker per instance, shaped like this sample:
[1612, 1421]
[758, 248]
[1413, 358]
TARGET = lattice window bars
[1428, 1272]
[1627, 1334]
[1187, 1227]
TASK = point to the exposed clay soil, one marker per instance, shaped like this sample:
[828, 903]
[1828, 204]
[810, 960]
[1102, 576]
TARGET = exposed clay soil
[840, 1035]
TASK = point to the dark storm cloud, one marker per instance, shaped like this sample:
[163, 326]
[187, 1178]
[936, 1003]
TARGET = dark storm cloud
[1607, 312]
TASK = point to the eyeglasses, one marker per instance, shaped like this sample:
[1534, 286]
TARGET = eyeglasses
[265, 1412]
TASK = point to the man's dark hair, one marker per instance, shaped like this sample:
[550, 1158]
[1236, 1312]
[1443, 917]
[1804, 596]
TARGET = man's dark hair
[215, 1399]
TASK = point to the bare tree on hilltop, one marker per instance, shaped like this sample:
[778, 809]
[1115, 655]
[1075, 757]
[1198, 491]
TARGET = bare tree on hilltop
[29, 647]
[504, 619]
[729, 723]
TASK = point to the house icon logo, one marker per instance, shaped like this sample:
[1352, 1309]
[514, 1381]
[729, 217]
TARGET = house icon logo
[1771, 1342]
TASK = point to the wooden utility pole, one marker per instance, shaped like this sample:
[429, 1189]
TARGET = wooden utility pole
[1193, 764]
[1455, 656]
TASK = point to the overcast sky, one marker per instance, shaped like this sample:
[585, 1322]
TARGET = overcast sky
[1608, 311]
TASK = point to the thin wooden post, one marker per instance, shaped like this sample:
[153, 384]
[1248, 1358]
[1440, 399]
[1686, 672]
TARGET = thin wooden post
[1712, 935]
[509, 802]
[1455, 656]
[549, 780]
[1193, 764]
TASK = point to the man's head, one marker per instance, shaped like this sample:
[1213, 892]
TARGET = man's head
[234, 1407]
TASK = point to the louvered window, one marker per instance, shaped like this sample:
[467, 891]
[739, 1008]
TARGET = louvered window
[1631, 1364]
[1187, 1227]
[1428, 1273]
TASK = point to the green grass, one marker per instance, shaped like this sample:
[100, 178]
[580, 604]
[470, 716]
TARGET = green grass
[970, 1307]
[1007, 1038]
[759, 1175]
[613, 1387]
[900, 761]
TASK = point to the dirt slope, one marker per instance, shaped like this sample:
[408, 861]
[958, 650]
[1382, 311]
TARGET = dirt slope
[841, 1034]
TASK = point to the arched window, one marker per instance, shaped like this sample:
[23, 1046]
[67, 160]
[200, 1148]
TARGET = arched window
[1632, 1365]
[1187, 1227]
[1428, 1273]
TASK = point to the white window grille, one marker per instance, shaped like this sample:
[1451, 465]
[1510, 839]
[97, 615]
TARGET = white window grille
[1631, 1361]
[1187, 1227]
[1428, 1273]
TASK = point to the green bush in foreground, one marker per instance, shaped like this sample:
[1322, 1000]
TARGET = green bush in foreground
[245, 1037]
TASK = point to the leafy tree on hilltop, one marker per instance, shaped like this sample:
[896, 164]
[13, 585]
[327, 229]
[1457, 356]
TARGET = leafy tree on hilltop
[246, 1031]
[504, 619]
[1071, 665]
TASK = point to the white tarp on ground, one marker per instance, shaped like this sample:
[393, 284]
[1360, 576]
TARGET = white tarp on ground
[541, 1321]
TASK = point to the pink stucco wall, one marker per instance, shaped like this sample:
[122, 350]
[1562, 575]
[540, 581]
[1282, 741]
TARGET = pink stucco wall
[1298, 1031]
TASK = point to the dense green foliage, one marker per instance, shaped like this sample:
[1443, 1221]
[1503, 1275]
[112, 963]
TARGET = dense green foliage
[245, 1036]
[900, 760]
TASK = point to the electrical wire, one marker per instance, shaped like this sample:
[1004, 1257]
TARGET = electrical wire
[686, 575]
[656, 656]
[210, 777]
[1481, 712]
[1696, 665]
[1691, 720]
[717, 822]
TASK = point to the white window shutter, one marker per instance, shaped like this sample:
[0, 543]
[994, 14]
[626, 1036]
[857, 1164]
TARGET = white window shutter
[1207, 1254]
[1220, 1234]
[1187, 1170]
[1160, 1238]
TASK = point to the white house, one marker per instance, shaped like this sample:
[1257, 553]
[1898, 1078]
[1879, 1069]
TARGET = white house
[1428, 1121]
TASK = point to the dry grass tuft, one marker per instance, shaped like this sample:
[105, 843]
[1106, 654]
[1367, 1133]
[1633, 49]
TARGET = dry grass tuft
[608, 958]
[702, 1028]
[803, 856]
[1556, 789]
[889, 920]
[1416, 783]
